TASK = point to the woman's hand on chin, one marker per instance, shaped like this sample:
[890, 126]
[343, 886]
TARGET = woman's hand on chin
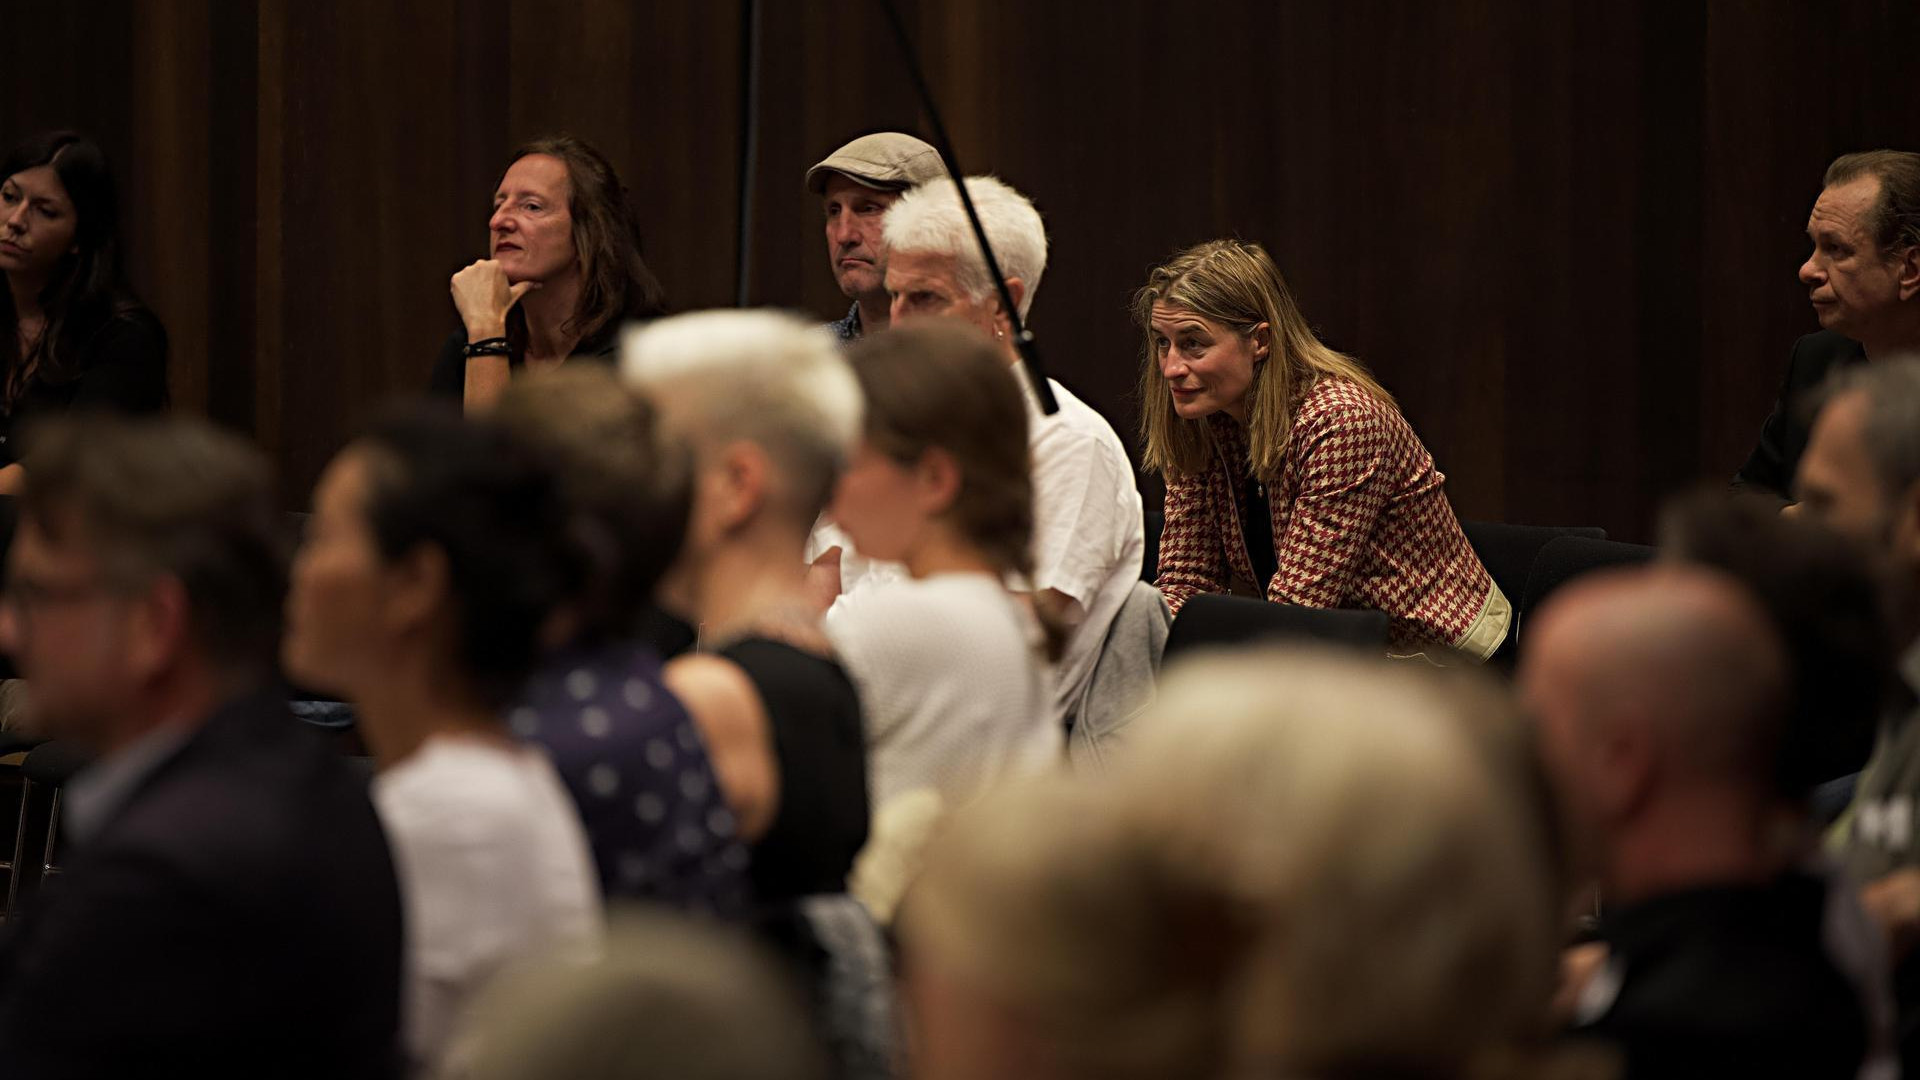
[483, 297]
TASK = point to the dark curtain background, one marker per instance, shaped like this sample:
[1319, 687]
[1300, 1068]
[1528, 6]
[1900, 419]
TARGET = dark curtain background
[1564, 234]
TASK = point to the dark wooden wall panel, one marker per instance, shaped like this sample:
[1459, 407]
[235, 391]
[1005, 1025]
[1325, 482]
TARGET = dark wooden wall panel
[1564, 234]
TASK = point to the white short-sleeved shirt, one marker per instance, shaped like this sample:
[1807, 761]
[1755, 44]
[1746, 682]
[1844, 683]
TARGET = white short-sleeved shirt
[494, 868]
[1088, 535]
[951, 685]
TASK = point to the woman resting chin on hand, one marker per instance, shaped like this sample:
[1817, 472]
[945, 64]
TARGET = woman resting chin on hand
[563, 272]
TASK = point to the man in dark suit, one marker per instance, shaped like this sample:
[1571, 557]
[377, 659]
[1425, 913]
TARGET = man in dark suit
[229, 907]
[1863, 278]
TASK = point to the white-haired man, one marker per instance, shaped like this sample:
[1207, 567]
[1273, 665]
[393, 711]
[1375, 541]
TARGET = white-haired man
[1088, 533]
[771, 413]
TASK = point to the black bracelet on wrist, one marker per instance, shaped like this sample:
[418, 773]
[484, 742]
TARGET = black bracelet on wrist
[493, 346]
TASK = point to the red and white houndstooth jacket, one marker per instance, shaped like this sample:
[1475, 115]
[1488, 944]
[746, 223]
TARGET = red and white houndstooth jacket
[1359, 520]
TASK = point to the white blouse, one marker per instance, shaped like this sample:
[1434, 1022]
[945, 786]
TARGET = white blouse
[494, 868]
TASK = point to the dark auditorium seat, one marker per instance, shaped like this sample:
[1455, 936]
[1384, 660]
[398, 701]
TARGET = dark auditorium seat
[47, 765]
[1209, 621]
[1508, 551]
[1568, 557]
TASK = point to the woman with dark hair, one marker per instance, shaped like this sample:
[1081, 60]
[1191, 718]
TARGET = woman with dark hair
[436, 551]
[72, 335]
[563, 271]
[597, 703]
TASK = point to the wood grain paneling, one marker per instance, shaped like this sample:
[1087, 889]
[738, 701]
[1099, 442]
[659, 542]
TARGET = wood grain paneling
[1564, 234]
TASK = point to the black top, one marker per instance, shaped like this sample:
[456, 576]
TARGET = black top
[236, 916]
[450, 369]
[1730, 981]
[1256, 526]
[668, 634]
[820, 745]
[122, 367]
[1783, 438]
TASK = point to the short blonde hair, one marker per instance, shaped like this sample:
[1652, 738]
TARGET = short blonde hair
[930, 219]
[764, 376]
[1305, 863]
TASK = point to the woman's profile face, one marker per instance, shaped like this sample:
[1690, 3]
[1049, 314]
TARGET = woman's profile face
[336, 600]
[881, 505]
[37, 222]
[1208, 367]
[531, 231]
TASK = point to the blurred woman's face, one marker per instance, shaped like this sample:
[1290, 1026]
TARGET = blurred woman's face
[337, 605]
[881, 504]
[1209, 367]
[37, 222]
[531, 231]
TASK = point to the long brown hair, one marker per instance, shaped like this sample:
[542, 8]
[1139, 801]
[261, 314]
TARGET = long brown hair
[1237, 285]
[944, 386]
[87, 288]
[615, 283]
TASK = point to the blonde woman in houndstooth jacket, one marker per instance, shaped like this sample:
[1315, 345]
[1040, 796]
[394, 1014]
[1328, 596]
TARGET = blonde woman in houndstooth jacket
[1290, 472]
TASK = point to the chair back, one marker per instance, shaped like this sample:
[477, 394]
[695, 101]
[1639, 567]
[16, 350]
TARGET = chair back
[1212, 621]
[1508, 551]
[1566, 558]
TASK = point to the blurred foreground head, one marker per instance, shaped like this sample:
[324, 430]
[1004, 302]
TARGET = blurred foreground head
[148, 565]
[1829, 607]
[1661, 694]
[671, 999]
[1308, 865]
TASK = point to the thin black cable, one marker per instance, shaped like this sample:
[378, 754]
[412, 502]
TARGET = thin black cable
[749, 145]
[1023, 340]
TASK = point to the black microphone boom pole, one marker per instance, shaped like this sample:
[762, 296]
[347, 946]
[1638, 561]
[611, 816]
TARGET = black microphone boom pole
[749, 146]
[1022, 337]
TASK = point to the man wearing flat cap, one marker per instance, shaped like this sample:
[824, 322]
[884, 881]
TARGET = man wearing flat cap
[857, 183]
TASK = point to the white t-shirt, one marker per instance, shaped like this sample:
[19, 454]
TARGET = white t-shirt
[1088, 534]
[951, 686]
[494, 868]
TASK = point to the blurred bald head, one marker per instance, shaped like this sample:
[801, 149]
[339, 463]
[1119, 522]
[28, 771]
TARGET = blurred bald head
[1677, 661]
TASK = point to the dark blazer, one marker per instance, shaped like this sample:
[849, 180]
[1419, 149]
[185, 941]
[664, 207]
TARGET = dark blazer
[1776, 457]
[237, 916]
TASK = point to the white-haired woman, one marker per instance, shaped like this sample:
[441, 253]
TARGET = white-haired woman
[771, 413]
[1087, 535]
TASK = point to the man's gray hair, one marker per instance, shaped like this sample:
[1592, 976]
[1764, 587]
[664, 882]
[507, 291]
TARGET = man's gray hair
[1891, 389]
[931, 220]
[170, 496]
[765, 376]
[1894, 219]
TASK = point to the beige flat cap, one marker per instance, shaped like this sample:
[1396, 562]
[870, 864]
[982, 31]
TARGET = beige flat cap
[886, 160]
